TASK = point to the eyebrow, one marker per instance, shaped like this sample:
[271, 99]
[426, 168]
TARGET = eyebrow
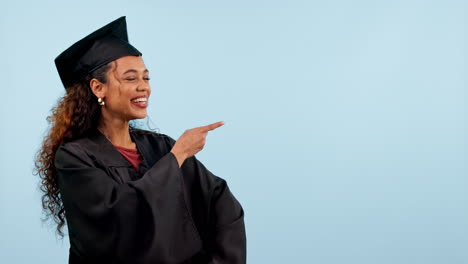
[133, 70]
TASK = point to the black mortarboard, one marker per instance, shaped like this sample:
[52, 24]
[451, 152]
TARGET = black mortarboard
[98, 48]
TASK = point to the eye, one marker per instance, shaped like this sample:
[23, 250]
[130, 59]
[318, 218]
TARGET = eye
[131, 79]
[147, 78]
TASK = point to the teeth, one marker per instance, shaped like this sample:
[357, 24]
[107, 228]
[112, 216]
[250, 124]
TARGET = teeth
[142, 99]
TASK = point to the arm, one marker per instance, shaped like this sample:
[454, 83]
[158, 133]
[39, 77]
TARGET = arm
[180, 156]
[226, 239]
[144, 220]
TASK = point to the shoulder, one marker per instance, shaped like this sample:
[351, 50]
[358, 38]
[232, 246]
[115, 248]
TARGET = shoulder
[86, 149]
[77, 145]
[91, 142]
[152, 145]
[153, 137]
[72, 152]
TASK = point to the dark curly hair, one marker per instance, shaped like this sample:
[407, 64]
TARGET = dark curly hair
[76, 115]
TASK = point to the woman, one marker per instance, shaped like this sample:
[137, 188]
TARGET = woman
[128, 195]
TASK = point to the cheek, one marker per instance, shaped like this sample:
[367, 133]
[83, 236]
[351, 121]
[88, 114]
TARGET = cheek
[114, 96]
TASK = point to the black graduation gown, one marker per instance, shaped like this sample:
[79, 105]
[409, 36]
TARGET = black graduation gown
[163, 214]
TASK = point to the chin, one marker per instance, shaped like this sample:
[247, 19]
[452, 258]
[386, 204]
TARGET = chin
[138, 116]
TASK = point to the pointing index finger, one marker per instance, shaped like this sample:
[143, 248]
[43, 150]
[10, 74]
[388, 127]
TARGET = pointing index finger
[213, 126]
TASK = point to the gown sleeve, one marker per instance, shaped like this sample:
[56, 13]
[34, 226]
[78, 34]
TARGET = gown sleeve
[226, 236]
[142, 221]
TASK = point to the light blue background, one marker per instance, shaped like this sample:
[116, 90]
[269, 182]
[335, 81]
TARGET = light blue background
[346, 121]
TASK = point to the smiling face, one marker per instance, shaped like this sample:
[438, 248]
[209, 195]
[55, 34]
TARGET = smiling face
[126, 91]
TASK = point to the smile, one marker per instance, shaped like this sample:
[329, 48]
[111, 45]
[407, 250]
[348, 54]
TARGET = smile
[141, 102]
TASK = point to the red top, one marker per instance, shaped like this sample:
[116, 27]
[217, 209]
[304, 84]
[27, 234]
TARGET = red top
[131, 155]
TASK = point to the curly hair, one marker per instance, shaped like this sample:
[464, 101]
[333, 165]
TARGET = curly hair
[75, 115]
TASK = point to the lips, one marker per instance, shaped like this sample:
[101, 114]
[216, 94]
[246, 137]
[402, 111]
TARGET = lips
[140, 101]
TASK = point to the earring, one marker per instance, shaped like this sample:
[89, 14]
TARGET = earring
[101, 101]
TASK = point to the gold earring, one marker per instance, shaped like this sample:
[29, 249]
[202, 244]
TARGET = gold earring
[101, 101]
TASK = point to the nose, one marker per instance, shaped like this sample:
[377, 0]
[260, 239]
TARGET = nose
[143, 85]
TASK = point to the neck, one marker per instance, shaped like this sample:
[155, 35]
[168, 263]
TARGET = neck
[117, 132]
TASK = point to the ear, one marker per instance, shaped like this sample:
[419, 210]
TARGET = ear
[98, 88]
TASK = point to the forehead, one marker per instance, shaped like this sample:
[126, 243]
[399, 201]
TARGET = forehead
[129, 63]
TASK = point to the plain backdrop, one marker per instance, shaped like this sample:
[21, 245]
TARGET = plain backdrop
[346, 121]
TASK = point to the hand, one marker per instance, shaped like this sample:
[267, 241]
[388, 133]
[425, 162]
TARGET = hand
[192, 141]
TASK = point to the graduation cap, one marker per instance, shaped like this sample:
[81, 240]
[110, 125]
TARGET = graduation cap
[93, 51]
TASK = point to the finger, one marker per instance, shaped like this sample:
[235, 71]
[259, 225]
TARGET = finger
[212, 126]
